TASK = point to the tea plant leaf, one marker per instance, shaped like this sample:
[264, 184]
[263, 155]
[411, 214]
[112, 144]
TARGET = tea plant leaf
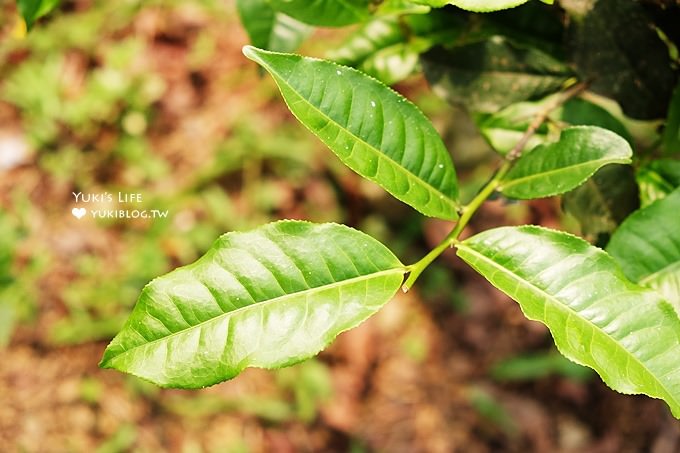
[488, 75]
[647, 246]
[372, 129]
[32, 10]
[657, 179]
[603, 202]
[504, 129]
[558, 167]
[270, 29]
[266, 298]
[477, 5]
[325, 13]
[628, 334]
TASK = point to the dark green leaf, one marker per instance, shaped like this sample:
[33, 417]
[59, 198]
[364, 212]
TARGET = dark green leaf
[615, 45]
[270, 29]
[537, 366]
[373, 130]
[32, 10]
[603, 201]
[647, 246]
[266, 298]
[628, 334]
[488, 75]
[559, 167]
[325, 13]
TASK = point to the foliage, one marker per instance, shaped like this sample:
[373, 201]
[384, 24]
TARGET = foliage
[32, 10]
[276, 295]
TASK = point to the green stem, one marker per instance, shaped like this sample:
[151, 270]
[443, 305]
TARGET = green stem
[467, 212]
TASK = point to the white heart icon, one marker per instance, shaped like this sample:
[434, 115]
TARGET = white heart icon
[78, 212]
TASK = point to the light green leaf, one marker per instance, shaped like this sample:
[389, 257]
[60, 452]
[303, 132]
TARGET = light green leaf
[32, 10]
[671, 132]
[369, 38]
[558, 167]
[372, 129]
[628, 334]
[392, 7]
[388, 48]
[267, 298]
[270, 29]
[488, 75]
[647, 246]
[478, 6]
[657, 179]
[325, 13]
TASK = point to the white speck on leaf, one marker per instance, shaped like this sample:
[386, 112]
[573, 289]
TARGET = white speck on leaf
[338, 72]
[440, 165]
[373, 104]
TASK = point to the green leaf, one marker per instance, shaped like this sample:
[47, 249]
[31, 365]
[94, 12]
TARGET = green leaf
[372, 129]
[488, 75]
[32, 10]
[603, 201]
[504, 129]
[671, 132]
[475, 5]
[657, 179]
[558, 167]
[388, 48]
[394, 63]
[615, 45]
[267, 298]
[392, 7]
[628, 334]
[270, 29]
[369, 38]
[647, 246]
[325, 13]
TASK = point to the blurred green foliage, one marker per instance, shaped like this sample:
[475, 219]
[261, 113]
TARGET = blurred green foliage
[89, 110]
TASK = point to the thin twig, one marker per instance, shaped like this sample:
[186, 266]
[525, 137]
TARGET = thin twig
[556, 102]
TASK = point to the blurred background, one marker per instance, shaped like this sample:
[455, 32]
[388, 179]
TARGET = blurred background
[155, 98]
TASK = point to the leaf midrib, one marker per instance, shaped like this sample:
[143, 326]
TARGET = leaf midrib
[558, 305]
[514, 181]
[261, 305]
[379, 153]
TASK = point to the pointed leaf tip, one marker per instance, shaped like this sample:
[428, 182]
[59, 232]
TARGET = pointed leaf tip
[266, 298]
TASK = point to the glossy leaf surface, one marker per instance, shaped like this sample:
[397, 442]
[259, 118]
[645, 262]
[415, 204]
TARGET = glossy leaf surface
[647, 246]
[270, 29]
[267, 298]
[475, 5]
[488, 75]
[558, 167]
[326, 13]
[628, 334]
[372, 129]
